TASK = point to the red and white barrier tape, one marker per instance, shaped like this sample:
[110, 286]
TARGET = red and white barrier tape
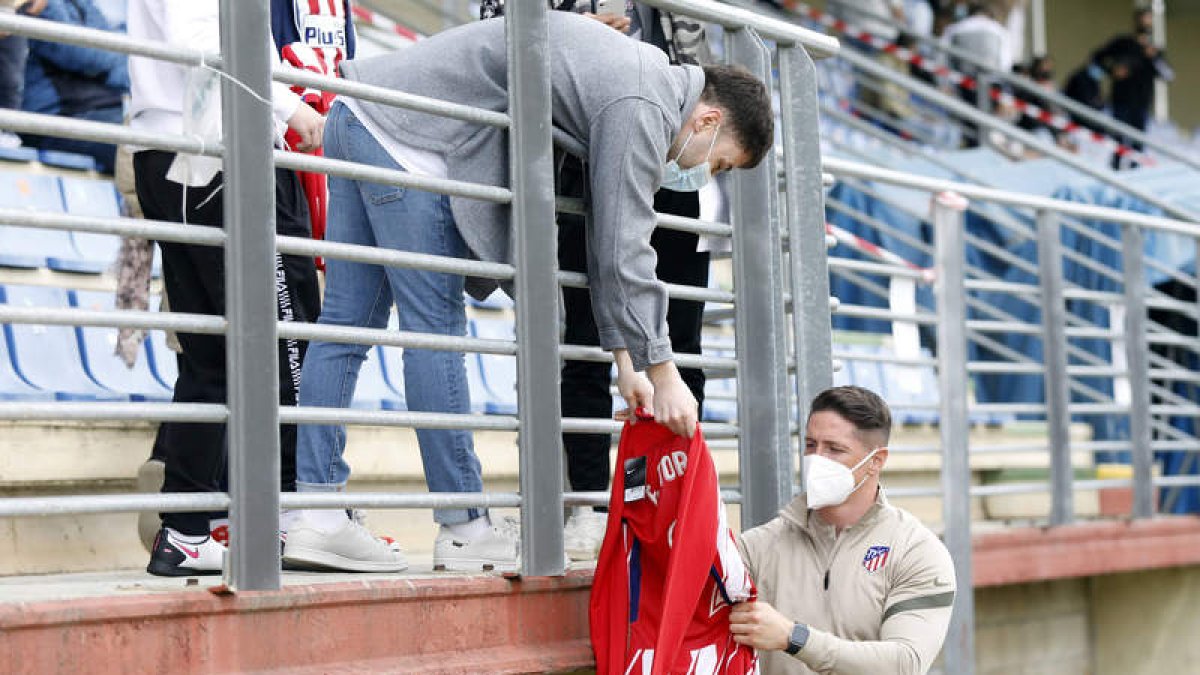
[1059, 122]
[928, 274]
[382, 22]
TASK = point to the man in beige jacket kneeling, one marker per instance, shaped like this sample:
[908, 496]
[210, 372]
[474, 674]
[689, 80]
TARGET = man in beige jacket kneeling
[847, 582]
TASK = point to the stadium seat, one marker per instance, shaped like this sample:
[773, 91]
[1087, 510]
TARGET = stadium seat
[19, 154]
[97, 345]
[498, 374]
[373, 391]
[94, 253]
[29, 247]
[162, 360]
[12, 386]
[48, 357]
[911, 385]
[67, 160]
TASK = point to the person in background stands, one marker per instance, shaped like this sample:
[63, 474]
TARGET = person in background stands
[72, 81]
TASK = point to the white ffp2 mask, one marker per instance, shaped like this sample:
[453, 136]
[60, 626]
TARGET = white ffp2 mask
[829, 483]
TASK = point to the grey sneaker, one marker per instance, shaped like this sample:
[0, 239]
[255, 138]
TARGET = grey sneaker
[584, 533]
[497, 550]
[351, 549]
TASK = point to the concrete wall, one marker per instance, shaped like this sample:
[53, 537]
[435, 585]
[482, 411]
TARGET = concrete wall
[1147, 622]
[1127, 624]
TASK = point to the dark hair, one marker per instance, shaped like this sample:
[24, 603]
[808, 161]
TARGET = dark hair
[861, 407]
[745, 99]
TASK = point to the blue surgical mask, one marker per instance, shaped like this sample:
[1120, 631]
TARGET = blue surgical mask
[689, 180]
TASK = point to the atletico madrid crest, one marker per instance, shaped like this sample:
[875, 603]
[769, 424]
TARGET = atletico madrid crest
[876, 558]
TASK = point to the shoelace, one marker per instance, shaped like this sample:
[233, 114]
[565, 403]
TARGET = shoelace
[359, 517]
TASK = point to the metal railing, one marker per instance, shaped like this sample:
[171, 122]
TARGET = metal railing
[252, 413]
[1095, 332]
[786, 267]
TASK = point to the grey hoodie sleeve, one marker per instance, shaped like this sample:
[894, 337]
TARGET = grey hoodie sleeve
[629, 143]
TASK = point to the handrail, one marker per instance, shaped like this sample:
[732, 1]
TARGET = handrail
[44, 29]
[840, 167]
[786, 33]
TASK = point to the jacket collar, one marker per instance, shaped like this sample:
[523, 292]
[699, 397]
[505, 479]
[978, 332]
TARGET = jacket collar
[798, 513]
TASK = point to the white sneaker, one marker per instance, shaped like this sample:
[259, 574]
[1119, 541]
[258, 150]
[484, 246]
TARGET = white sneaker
[174, 555]
[495, 550]
[351, 549]
[584, 533]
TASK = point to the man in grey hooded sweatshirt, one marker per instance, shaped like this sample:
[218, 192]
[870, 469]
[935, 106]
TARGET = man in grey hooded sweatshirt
[645, 124]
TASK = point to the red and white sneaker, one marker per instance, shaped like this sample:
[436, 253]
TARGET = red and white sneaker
[177, 555]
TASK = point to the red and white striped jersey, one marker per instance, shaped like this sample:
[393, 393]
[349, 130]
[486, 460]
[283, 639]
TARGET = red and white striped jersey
[669, 569]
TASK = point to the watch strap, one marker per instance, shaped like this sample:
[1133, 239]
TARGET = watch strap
[797, 639]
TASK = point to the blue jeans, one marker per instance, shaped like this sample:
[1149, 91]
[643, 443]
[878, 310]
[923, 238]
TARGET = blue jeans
[361, 295]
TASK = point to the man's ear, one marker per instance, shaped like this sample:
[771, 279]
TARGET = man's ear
[880, 459]
[712, 118]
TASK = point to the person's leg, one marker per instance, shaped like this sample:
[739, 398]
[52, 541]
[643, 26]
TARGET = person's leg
[193, 277]
[680, 263]
[298, 300]
[585, 386]
[355, 295]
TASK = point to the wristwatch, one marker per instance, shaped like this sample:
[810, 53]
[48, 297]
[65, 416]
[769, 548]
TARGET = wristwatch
[797, 639]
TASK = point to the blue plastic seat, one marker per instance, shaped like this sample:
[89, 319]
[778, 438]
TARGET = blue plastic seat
[12, 386]
[498, 374]
[29, 247]
[911, 385]
[67, 160]
[48, 357]
[373, 391]
[96, 346]
[163, 361]
[94, 253]
[19, 154]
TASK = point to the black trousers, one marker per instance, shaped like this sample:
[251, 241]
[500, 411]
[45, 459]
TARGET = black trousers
[194, 277]
[586, 385]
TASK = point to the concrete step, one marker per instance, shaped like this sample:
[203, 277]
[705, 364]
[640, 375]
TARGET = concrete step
[41, 459]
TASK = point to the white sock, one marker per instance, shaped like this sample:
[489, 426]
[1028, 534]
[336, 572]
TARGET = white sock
[325, 520]
[470, 530]
[188, 538]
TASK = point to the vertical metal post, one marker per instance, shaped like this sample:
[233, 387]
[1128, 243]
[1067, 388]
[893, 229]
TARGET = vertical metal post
[1037, 19]
[1054, 352]
[1162, 99]
[764, 445]
[950, 289]
[535, 255]
[1138, 360]
[804, 197]
[252, 363]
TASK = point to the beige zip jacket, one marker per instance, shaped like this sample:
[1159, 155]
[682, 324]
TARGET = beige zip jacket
[876, 598]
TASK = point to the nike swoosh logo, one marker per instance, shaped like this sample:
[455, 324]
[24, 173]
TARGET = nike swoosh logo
[190, 552]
